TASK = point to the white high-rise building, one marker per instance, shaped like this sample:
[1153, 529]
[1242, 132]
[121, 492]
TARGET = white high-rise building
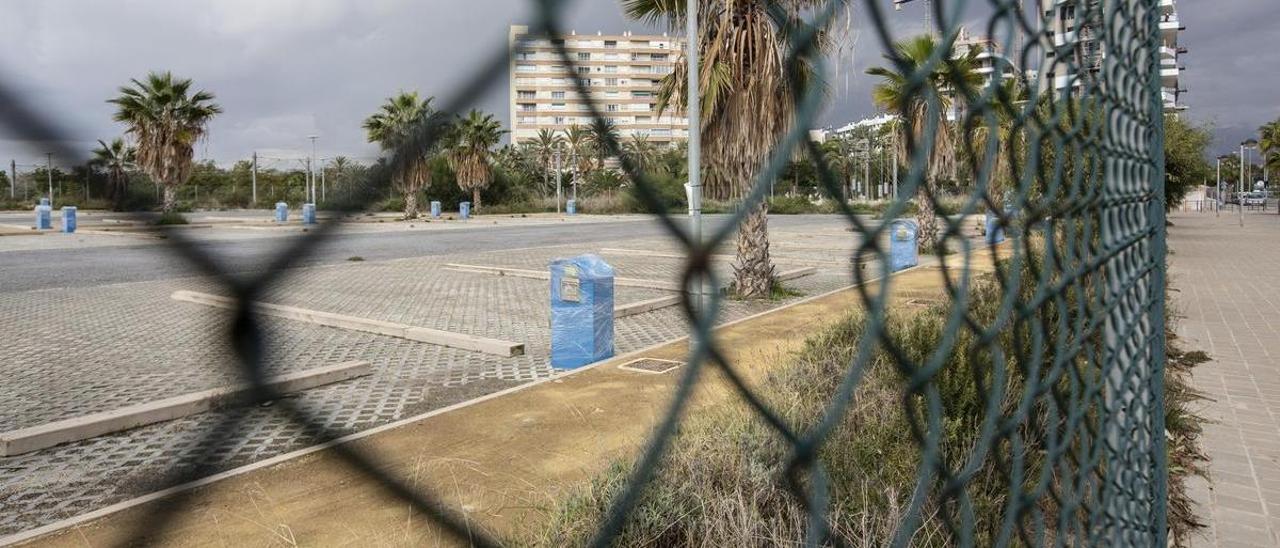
[1087, 56]
[623, 74]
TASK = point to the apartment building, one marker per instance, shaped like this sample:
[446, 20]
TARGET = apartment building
[1070, 32]
[622, 72]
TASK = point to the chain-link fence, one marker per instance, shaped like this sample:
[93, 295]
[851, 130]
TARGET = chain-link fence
[1068, 353]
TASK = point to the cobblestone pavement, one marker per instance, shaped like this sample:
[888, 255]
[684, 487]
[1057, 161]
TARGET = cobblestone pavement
[1229, 295]
[72, 351]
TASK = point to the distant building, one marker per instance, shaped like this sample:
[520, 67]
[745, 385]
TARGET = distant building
[1079, 39]
[623, 73]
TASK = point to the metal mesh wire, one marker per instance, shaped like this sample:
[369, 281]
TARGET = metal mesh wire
[1071, 415]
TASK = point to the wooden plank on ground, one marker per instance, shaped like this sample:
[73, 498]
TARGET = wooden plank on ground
[343, 321]
[35, 438]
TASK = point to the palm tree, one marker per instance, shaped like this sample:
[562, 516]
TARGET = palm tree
[1010, 144]
[601, 131]
[746, 94]
[919, 108]
[166, 119]
[578, 142]
[470, 151]
[117, 160]
[1269, 145]
[544, 147]
[391, 127]
[642, 153]
[840, 156]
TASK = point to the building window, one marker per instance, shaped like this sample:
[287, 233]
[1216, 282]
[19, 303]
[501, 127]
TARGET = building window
[557, 95]
[527, 107]
[524, 68]
[525, 55]
[640, 93]
[584, 56]
[658, 56]
[611, 108]
[557, 106]
[610, 44]
[584, 70]
[522, 94]
[557, 41]
[558, 120]
[610, 81]
[611, 69]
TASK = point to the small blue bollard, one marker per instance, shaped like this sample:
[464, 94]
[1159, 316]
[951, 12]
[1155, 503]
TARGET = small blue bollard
[44, 216]
[435, 210]
[995, 233]
[282, 212]
[902, 245]
[571, 207]
[44, 201]
[308, 214]
[69, 219]
[464, 210]
[581, 311]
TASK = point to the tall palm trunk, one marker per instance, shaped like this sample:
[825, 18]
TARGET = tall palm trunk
[753, 273]
[411, 205]
[170, 199]
[927, 221]
[475, 199]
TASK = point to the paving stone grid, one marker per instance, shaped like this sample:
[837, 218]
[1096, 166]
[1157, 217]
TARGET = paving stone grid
[1228, 295]
[123, 344]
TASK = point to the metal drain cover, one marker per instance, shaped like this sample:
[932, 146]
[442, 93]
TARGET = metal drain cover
[652, 366]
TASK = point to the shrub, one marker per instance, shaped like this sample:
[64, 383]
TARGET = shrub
[171, 218]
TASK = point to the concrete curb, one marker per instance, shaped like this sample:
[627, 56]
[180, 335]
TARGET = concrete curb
[35, 438]
[342, 321]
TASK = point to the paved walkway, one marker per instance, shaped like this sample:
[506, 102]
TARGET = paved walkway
[1228, 282]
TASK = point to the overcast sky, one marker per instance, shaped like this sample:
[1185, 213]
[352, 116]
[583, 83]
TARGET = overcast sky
[286, 69]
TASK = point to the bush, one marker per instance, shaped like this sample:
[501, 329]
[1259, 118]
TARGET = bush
[724, 479]
[171, 218]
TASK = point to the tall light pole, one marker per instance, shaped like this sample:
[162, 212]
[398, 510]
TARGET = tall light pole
[311, 173]
[254, 178]
[48, 170]
[694, 114]
[1217, 202]
[1247, 144]
[559, 171]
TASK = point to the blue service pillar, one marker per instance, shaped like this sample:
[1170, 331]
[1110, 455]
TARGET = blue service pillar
[435, 210]
[464, 210]
[571, 207]
[282, 212]
[995, 232]
[44, 215]
[69, 219]
[308, 214]
[902, 245]
[581, 311]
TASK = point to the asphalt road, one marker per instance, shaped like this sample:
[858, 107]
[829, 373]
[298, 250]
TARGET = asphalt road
[86, 267]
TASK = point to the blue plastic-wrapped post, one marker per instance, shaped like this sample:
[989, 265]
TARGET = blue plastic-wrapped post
[464, 210]
[902, 245]
[308, 214]
[435, 210]
[581, 311]
[69, 219]
[282, 212]
[995, 233]
[44, 216]
[571, 207]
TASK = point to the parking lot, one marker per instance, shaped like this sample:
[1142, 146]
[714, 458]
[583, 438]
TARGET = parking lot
[91, 325]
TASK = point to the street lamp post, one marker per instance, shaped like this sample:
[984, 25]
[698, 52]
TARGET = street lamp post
[559, 170]
[311, 169]
[1217, 201]
[1247, 144]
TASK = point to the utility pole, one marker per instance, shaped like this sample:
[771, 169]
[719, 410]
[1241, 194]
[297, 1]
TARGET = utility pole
[48, 157]
[13, 178]
[694, 113]
[311, 167]
[322, 187]
[254, 178]
[559, 170]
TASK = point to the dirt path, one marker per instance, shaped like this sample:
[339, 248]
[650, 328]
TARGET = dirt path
[503, 461]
